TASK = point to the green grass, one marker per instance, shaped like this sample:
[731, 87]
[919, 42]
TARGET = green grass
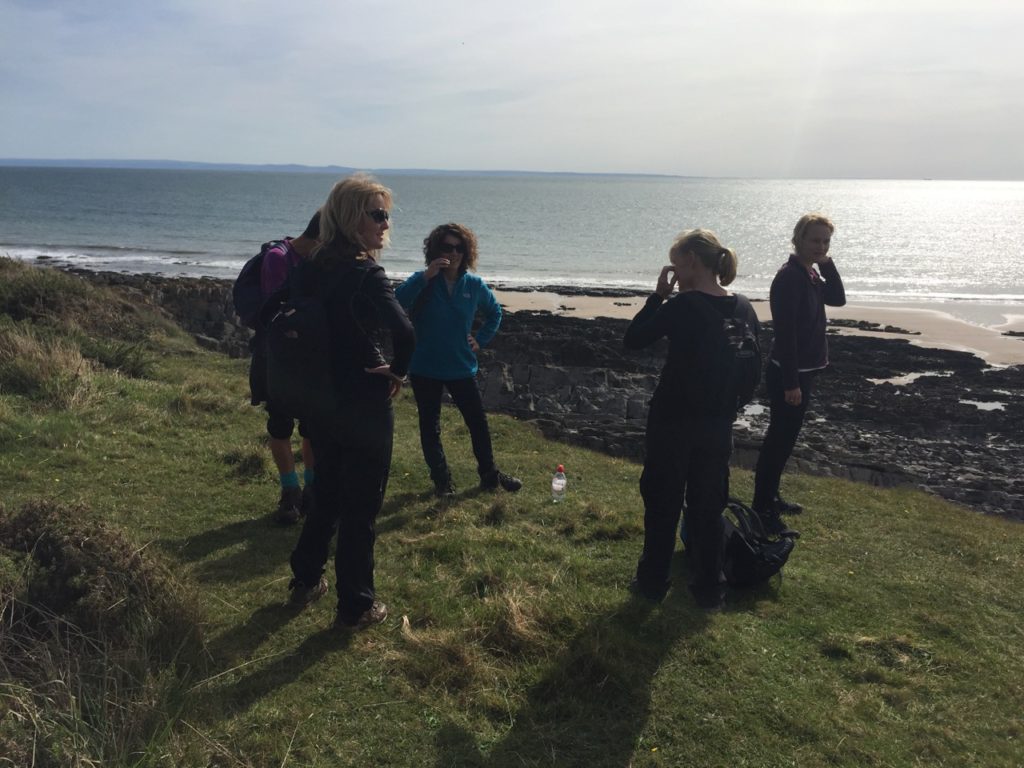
[894, 638]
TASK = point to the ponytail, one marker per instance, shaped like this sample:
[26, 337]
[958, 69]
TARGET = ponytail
[712, 254]
[726, 267]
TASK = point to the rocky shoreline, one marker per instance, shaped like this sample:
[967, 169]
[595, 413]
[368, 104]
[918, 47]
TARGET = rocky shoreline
[886, 413]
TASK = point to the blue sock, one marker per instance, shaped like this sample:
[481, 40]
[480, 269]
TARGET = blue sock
[290, 479]
[307, 476]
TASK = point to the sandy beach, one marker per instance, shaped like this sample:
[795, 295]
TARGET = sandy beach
[976, 328]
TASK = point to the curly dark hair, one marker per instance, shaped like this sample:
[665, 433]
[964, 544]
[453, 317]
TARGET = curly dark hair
[432, 244]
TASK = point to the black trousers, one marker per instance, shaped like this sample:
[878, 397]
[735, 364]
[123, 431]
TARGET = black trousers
[686, 459]
[466, 396]
[784, 425]
[353, 462]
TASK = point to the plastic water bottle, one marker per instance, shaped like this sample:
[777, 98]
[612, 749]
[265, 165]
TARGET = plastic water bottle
[558, 484]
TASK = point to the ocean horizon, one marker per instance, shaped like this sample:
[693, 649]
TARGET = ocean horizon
[913, 242]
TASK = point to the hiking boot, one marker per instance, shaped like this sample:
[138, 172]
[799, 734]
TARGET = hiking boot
[783, 507]
[712, 602]
[654, 595]
[774, 525]
[289, 507]
[375, 614]
[302, 595]
[491, 480]
[308, 500]
[445, 489]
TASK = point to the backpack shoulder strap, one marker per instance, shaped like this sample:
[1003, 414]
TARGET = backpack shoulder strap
[742, 309]
[747, 519]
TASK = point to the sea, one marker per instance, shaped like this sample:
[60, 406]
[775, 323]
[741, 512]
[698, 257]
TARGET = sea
[915, 243]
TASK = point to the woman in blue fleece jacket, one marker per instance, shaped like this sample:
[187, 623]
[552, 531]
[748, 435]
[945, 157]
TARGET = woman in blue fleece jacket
[443, 301]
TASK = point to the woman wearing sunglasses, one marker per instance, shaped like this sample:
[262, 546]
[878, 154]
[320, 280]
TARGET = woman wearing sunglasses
[353, 448]
[443, 301]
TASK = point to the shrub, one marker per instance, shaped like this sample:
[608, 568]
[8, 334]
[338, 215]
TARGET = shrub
[41, 367]
[97, 640]
[29, 293]
[72, 307]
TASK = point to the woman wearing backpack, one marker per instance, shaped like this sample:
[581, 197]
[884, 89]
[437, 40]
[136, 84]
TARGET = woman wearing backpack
[353, 448]
[689, 424]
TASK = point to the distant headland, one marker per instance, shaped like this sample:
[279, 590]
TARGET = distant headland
[338, 170]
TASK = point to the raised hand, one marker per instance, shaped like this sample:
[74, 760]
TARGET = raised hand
[436, 266]
[667, 280]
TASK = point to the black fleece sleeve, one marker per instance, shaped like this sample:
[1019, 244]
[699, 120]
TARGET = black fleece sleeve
[403, 338]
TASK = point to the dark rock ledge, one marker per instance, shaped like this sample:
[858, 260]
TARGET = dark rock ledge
[574, 379]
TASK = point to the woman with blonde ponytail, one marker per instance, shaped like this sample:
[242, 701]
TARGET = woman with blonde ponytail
[689, 425]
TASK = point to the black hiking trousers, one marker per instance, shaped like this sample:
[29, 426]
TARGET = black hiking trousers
[466, 396]
[784, 425]
[353, 461]
[687, 460]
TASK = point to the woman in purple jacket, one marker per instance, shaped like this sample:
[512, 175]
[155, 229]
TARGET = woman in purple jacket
[798, 295]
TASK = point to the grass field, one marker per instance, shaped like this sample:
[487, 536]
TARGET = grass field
[894, 638]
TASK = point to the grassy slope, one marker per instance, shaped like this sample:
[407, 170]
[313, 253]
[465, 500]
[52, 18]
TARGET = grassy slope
[894, 638]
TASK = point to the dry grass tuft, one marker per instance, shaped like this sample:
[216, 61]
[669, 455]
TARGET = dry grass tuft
[514, 630]
[41, 367]
[96, 638]
[438, 659]
[247, 463]
[196, 398]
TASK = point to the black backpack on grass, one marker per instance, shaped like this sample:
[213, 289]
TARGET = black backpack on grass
[751, 555]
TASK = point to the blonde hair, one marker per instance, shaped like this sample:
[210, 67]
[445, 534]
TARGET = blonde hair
[704, 244]
[342, 213]
[807, 221]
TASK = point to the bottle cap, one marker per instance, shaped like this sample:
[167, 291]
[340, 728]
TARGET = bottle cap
[560, 468]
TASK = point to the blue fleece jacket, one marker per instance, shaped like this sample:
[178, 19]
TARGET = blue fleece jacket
[444, 321]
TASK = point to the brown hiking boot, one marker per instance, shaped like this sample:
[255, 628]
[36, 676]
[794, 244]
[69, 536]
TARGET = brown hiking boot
[375, 614]
[496, 477]
[289, 506]
[302, 595]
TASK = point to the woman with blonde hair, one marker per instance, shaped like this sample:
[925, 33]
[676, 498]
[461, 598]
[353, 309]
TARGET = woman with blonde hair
[799, 352]
[689, 424]
[353, 447]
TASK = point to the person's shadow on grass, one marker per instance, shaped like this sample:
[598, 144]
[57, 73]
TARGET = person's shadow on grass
[591, 706]
[221, 702]
[248, 547]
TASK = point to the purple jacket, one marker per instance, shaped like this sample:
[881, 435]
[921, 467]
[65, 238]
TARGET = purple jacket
[276, 263]
[798, 298]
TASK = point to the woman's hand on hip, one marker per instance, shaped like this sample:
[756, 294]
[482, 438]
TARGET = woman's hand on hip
[395, 383]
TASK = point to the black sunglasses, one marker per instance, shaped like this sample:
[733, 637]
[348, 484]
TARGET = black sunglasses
[379, 215]
[451, 248]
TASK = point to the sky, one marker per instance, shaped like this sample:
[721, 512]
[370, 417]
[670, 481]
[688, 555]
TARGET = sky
[734, 88]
